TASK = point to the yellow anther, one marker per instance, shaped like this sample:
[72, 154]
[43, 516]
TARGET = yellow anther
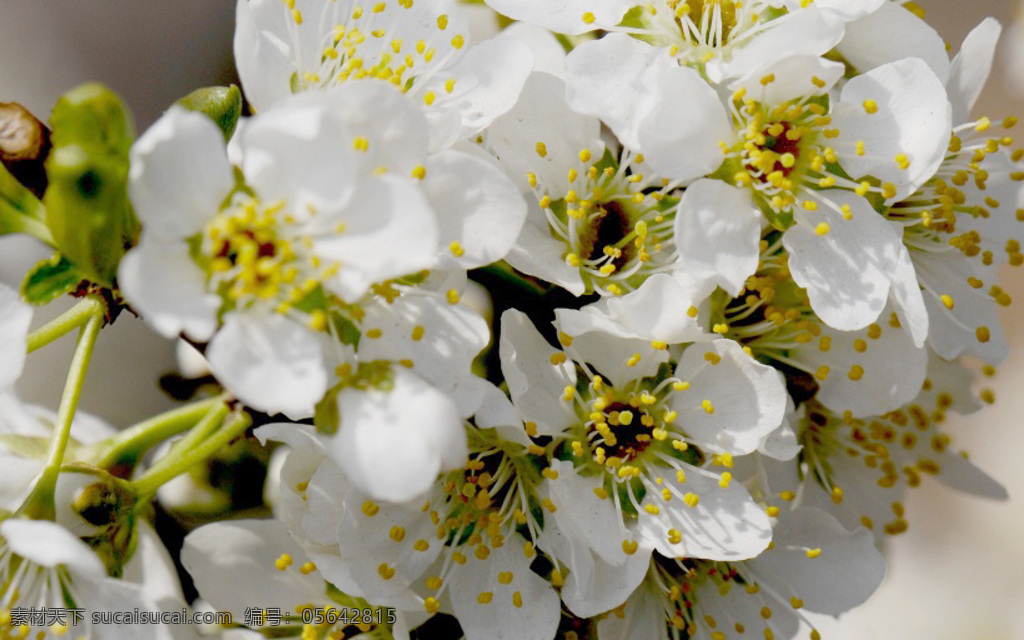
[431, 605]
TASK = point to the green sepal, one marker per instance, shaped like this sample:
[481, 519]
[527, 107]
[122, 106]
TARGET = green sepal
[20, 210]
[633, 19]
[50, 279]
[87, 207]
[346, 330]
[223, 105]
[326, 417]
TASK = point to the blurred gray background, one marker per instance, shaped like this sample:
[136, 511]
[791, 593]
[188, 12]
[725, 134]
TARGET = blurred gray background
[955, 575]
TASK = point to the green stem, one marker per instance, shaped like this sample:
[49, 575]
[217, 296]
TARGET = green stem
[134, 441]
[213, 420]
[171, 467]
[68, 321]
[39, 504]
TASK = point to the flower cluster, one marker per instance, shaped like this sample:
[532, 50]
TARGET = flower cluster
[640, 330]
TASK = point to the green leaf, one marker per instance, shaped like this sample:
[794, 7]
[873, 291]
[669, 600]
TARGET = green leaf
[223, 105]
[20, 211]
[87, 207]
[50, 279]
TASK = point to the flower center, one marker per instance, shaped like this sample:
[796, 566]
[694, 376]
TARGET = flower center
[610, 224]
[630, 429]
[615, 222]
[250, 256]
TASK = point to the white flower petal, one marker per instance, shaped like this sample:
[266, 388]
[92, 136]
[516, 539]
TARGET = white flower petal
[726, 524]
[393, 232]
[851, 555]
[394, 127]
[845, 9]
[534, 383]
[808, 32]
[15, 318]
[582, 515]
[893, 33]
[18, 476]
[748, 399]
[536, 615]
[488, 80]
[297, 153]
[614, 351]
[537, 253]
[847, 271]
[957, 472]
[151, 567]
[515, 137]
[642, 617]
[440, 339]
[270, 362]
[736, 607]
[164, 284]
[233, 566]
[50, 545]
[913, 119]
[971, 68]
[781, 444]
[870, 372]
[496, 411]
[263, 50]
[593, 586]
[960, 330]
[907, 299]
[565, 16]
[614, 78]
[370, 534]
[793, 77]
[179, 173]
[548, 53]
[477, 207]
[682, 133]
[717, 232]
[657, 310]
[392, 444]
